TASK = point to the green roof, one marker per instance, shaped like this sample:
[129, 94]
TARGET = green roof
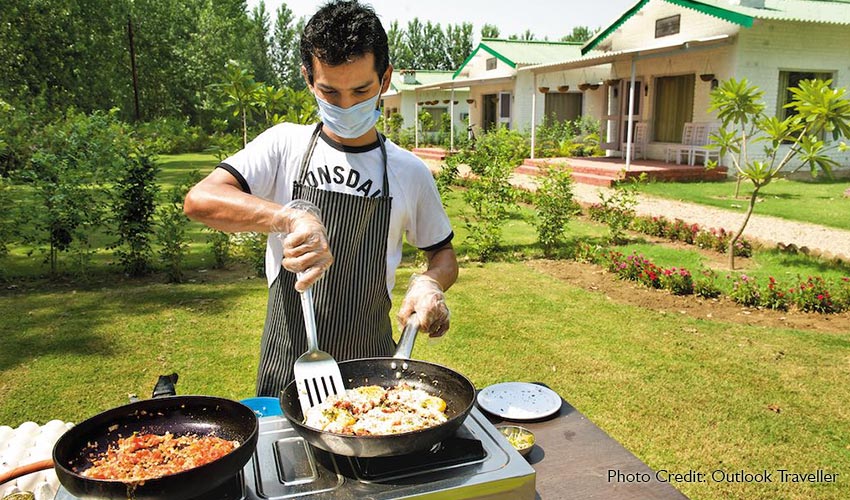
[422, 76]
[807, 11]
[525, 52]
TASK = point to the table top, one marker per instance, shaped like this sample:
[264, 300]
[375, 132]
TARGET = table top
[575, 459]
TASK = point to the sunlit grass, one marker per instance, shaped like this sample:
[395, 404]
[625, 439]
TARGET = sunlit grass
[819, 201]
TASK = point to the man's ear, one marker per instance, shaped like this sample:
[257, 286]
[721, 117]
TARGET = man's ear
[306, 78]
[387, 79]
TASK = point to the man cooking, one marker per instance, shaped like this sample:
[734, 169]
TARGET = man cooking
[336, 199]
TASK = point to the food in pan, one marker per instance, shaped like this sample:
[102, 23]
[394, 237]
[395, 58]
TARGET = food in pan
[374, 410]
[141, 457]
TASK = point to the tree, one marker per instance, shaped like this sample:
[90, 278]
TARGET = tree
[285, 53]
[400, 54]
[435, 56]
[528, 35]
[458, 44]
[271, 100]
[489, 31]
[816, 111]
[259, 45]
[418, 44]
[240, 92]
[580, 34]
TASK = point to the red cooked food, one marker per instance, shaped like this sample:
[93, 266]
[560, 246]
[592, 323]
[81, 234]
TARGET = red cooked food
[141, 457]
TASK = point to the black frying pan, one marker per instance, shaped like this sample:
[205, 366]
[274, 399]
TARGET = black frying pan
[201, 415]
[437, 380]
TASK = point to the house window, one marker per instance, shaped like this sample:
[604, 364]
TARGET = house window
[491, 63]
[790, 79]
[674, 106]
[436, 118]
[667, 26]
[562, 107]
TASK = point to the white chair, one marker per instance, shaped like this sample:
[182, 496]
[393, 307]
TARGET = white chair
[683, 148]
[703, 146]
[640, 137]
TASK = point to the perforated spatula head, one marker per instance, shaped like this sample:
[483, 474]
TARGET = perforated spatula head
[316, 372]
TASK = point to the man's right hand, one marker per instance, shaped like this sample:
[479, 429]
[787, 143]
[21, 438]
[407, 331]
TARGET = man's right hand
[305, 243]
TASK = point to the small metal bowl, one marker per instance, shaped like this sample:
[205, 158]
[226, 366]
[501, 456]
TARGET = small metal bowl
[520, 438]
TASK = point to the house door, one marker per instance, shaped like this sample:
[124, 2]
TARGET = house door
[491, 108]
[497, 110]
[617, 111]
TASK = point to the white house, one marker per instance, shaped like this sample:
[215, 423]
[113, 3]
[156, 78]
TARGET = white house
[501, 93]
[405, 99]
[673, 52]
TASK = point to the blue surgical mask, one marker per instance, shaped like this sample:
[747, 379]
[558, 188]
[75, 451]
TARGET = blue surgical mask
[353, 122]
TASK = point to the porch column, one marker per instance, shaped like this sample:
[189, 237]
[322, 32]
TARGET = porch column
[630, 120]
[416, 119]
[533, 113]
[452, 121]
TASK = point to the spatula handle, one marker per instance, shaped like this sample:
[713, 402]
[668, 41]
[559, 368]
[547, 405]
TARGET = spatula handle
[309, 318]
[408, 338]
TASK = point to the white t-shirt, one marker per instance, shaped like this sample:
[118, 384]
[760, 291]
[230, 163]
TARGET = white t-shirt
[270, 164]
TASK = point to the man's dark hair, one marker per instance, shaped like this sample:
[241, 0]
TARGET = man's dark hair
[342, 31]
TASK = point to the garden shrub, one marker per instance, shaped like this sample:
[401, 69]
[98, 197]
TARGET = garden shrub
[841, 294]
[555, 208]
[745, 291]
[7, 217]
[678, 281]
[705, 285]
[250, 247]
[19, 130]
[490, 194]
[772, 297]
[618, 209]
[567, 138]
[813, 295]
[678, 230]
[171, 229]
[682, 231]
[75, 161]
[170, 135]
[220, 245]
[134, 204]
[447, 177]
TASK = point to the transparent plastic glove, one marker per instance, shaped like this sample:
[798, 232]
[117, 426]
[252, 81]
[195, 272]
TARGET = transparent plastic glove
[305, 242]
[425, 298]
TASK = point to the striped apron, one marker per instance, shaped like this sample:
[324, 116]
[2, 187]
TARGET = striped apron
[351, 301]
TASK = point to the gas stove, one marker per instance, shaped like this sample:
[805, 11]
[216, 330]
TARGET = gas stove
[476, 462]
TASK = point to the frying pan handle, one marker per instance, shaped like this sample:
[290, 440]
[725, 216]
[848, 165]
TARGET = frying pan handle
[24, 470]
[408, 338]
[165, 386]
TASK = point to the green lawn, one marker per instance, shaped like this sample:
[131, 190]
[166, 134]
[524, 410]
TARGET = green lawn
[820, 201]
[680, 393]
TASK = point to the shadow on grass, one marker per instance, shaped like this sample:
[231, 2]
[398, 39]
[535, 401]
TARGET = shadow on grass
[93, 321]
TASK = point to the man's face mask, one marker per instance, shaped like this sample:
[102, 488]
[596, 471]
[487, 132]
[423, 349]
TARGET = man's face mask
[353, 122]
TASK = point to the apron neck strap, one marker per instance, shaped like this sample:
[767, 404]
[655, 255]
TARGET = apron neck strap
[305, 162]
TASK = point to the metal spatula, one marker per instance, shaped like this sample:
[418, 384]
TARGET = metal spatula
[316, 373]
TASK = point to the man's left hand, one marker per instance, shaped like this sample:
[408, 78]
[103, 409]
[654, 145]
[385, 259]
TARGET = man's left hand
[425, 298]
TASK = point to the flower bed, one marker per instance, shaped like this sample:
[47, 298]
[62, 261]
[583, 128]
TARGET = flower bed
[815, 294]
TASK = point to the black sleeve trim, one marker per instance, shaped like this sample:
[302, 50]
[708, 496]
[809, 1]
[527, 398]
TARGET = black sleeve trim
[235, 173]
[440, 244]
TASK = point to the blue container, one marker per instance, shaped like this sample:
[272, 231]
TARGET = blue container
[263, 406]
